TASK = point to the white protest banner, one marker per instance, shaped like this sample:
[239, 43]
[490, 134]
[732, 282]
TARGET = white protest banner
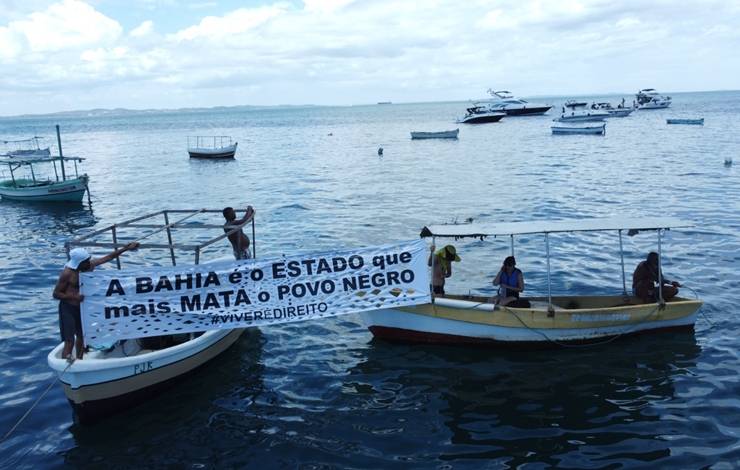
[236, 294]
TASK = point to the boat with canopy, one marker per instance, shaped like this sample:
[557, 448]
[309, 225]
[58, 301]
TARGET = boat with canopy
[28, 177]
[28, 148]
[115, 377]
[213, 147]
[465, 319]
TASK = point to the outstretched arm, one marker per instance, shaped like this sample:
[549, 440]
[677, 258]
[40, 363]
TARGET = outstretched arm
[114, 254]
[248, 215]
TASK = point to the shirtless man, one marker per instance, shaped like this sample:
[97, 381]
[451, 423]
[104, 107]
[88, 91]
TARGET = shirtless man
[67, 291]
[239, 241]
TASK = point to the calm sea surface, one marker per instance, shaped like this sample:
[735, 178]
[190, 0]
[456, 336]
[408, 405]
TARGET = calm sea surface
[323, 394]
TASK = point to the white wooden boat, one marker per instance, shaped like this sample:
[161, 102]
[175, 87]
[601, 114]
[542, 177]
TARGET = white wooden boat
[27, 148]
[549, 320]
[211, 147]
[28, 179]
[436, 135]
[695, 122]
[594, 130]
[106, 382]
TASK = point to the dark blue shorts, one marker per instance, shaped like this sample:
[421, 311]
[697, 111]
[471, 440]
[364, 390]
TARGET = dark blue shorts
[70, 322]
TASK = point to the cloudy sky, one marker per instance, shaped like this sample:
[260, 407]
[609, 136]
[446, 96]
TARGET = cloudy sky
[60, 55]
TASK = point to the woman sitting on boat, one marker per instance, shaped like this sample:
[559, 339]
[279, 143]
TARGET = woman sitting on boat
[441, 263]
[510, 281]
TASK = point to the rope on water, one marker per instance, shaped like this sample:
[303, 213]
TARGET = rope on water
[25, 415]
[703, 315]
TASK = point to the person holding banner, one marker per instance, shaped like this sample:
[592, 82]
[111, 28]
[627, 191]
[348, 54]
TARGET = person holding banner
[239, 241]
[441, 263]
[67, 291]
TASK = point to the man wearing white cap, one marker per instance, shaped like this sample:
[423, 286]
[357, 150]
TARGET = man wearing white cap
[67, 291]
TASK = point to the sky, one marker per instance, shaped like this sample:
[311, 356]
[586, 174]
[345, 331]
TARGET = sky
[62, 55]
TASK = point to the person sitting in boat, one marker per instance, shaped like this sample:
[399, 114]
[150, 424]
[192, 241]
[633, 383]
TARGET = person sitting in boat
[441, 263]
[510, 282]
[239, 241]
[67, 291]
[645, 281]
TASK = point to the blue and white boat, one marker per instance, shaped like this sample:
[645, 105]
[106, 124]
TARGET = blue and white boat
[695, 122]
[593, 130]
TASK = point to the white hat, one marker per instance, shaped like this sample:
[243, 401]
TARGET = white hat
[76, 257]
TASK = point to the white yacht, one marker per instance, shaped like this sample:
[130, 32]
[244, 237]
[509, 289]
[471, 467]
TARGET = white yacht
[649, 98]
[503, 101]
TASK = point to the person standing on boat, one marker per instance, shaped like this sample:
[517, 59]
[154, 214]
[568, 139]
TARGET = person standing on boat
[645, 281]
[441, 263]
[510, 282]
[239, 241]
[67, 291]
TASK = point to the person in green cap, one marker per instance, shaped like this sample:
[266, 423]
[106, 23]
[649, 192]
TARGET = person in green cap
[441, 263]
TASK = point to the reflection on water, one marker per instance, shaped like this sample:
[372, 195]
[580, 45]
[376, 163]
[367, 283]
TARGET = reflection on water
[563, 408]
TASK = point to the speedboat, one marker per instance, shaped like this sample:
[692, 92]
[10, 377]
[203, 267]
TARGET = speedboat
[503, 101]
[119, 376]
[436, 135]
[648, 98]
[582, 115]
[619, 111]
[211, 147]
[548, 320]
[480, 114]
[594, 130]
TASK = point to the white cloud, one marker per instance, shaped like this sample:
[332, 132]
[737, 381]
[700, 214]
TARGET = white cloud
[343, 51]
[144, 29]
[63, 25]
[235, 22]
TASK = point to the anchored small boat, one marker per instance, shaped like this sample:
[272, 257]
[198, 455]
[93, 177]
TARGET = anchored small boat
[212, 147]
[593, 130]
[436, 135]
[466, 319]
[29, 177]
[28, 148]
[131, 371]
[694, 122]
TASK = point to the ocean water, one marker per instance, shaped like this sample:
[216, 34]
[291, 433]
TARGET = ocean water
[323, 394]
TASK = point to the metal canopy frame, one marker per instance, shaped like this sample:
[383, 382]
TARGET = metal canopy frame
[89, 240]
[460, 231]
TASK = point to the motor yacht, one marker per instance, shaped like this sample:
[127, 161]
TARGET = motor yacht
[503, 101]
[480, 114]
[649, 98]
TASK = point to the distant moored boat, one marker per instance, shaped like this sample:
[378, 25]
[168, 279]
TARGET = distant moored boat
[436, 135]
[696, 122]
[211, 147]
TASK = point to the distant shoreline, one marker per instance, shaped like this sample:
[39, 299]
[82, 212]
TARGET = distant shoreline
[100, 112]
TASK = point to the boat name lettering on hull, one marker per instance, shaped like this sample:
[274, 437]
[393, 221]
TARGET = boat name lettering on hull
[596, 317]
[143, 367]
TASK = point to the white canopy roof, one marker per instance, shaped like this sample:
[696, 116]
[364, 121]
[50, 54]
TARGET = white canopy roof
[552, 226]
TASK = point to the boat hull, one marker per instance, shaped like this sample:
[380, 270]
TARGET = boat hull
[660, 105]
[620, 112]
[535, 111]
[482, 119]
[67, 191]
[693, 122]
[588, 130]
[97, 388]
[213, 154]
[435, 135]
[455, 321]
